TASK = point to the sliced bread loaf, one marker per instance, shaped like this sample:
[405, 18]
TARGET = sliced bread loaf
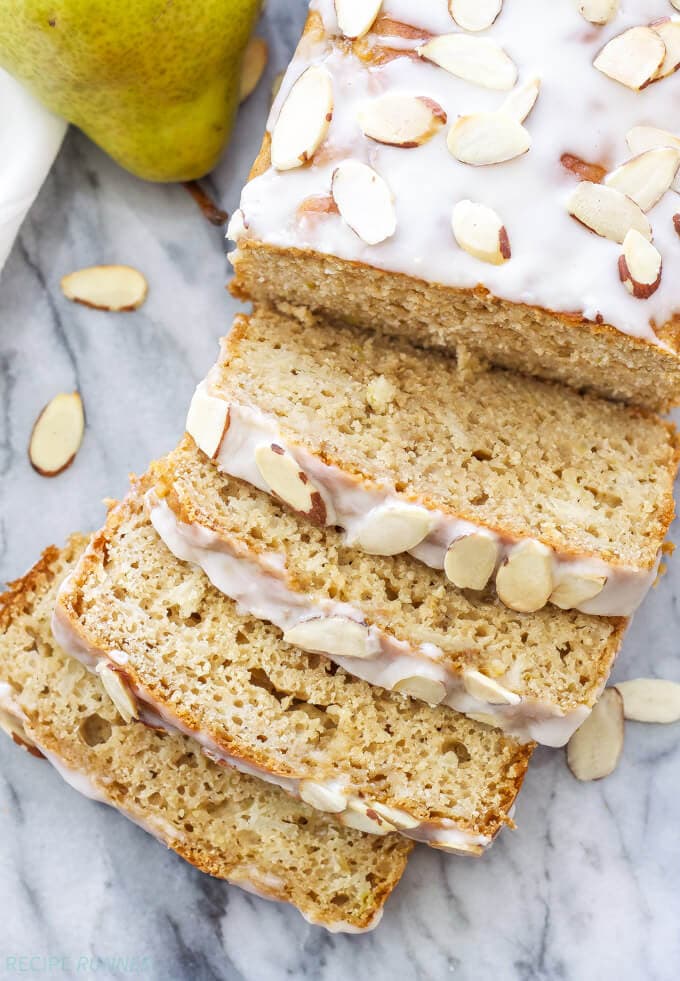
[554, 496]
[387, 619]
[180, 654]
[226, 823]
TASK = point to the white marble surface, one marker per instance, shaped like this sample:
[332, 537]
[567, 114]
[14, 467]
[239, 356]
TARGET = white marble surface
[587, 888]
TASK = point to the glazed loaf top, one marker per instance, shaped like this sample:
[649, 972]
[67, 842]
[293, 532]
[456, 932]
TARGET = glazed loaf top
[497, 157]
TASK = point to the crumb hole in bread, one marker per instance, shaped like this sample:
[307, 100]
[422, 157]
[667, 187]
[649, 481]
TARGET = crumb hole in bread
[94, 730]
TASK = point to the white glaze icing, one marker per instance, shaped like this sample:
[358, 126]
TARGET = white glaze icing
[555, 262]
[262, 591]
[353, 502]
[443, 831]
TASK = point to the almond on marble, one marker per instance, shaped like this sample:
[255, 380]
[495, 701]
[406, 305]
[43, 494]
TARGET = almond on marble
[479, 60]
[594, 750]
[57, 434]
[401, 120]
[486, 138]
[118, 289]
[304, 119]
[364, 201]
[254, 63]
[334, 635]
[640, 266]
[650, 700]
[632, 58]
[607, 212]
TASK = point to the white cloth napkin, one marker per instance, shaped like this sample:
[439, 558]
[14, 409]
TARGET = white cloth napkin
[30, 137]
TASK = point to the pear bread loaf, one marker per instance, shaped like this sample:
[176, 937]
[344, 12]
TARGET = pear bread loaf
[388, 619]
[553, 496]
[182, 655]
[504, 183]
[226, 823]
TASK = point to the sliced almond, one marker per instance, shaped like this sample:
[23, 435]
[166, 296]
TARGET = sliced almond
[336, 636]
[485, 689]
[641, 138]
[118, 289]
[393, 528]
[364, 201]
[356, 17]
[304, 119]
[424, 689]
[460, 847]
[640, 266]
[595, 748]
[668, 30]
[364, 817]
[322, 797]
[400, 819]
[281, 472]
[646, 177]
[401, 120]
[475, 59]
[486, 138]
[207, 421]
[650, 700]
[632, 58]
[572, 590]
[582, 169]
[522, 99]
[676, 4]
[118, 691]
[475, 15]
[479, 231]
[254, 64]
[471, 560]
[485, 718]
[607, 212]
[57, 434]
[524, 580]
[676, 224]
[598, 11]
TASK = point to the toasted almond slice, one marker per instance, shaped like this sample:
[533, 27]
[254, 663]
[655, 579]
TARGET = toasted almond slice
[641, 138]
[522, 99]
[646, 177]
[356, 17]
[304, 119]
[598, 11]
[572, 590]
[424, 689]
[524, 580]
[57, 434]
[118, 691]
[470, 560]
[475, 15]
[487, 138]
[475, 59]
[595, 748]
[363, 817]
[207, 421]
[281, 472]
[322, 797]
[632, 58]
[254, 64]
[487, 690]
[479, 231]
[393, 528]
[650, 700]
[639, 266]
[364, 201]
[118, 289]
[401, 120]
[336, 636]
[395, 816]
[582, 169]
[668, 30]
[607, 212]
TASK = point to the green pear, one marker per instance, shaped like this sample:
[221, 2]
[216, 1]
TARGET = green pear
[155, 83]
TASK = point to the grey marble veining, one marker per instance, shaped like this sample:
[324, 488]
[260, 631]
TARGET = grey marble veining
[587, 888]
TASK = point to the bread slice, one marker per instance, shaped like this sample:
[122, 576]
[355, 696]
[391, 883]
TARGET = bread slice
[394, 248]
[377, 760]
[225, 823]
[558, 497]
[387, 619]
